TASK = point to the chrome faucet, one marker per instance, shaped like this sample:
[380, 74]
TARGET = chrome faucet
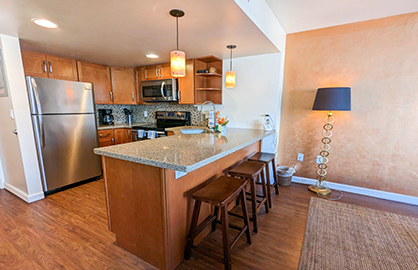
[201, 109]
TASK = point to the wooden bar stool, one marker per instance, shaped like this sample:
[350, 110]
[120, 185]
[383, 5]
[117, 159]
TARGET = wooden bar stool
[219, 193]
[251, 171]
[266, 158]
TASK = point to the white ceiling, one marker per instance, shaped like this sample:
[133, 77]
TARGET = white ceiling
[120, 33]
[303, 15]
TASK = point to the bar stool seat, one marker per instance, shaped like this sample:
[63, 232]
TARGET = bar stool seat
[266, 158]
[219, 193]
[252, 170]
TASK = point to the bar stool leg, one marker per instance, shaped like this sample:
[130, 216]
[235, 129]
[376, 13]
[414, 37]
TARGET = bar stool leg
[268, 184]
[245, 215]
[225, 227]
[216, 215]
[190, 239]
[276, 181]
[264, 187]
[254, 205]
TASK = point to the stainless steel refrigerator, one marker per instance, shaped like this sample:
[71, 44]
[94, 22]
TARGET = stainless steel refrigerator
[64, 124]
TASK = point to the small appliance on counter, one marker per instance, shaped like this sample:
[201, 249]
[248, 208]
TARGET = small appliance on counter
[105, 117]
[129, 115]
[165, 119]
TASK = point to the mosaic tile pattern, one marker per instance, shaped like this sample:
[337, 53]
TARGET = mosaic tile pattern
[138, 112]
[118, 113]
[151, 109]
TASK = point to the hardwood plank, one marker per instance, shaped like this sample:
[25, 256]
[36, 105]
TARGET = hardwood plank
[68, 230]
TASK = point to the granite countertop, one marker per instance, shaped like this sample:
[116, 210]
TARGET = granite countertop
[184, 153]
[120, 125]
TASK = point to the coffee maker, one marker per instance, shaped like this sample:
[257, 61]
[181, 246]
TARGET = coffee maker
[105, 117]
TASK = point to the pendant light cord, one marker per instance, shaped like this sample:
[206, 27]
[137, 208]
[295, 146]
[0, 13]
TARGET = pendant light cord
[177, 26]
[230, 62]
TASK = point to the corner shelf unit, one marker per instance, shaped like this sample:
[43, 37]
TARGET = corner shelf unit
[208, 86]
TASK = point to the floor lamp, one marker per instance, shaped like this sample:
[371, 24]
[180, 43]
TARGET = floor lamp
[328, 99]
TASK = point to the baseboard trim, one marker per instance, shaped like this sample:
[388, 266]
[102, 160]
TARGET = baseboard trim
[36, 197]
[23, 195]
[362, 191]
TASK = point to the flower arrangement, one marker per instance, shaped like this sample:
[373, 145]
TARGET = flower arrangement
[223, 121]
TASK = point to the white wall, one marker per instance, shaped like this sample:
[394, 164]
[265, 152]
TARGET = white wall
[257, 92]
[18, 152]
[1, 176]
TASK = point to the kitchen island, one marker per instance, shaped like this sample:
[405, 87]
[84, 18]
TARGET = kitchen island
[149, 186]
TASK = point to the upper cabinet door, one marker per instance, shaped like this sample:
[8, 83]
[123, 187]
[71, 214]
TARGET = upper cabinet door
[151, 73]
[34, 64]
[100, 77]
[62, 68]
[165, 71]
[123, 85]
[186, 84]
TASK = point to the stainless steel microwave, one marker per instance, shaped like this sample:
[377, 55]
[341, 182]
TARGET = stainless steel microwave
[159, 90]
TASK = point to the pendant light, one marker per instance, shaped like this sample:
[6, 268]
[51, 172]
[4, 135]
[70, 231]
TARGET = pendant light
[230, 75]
[177, 58]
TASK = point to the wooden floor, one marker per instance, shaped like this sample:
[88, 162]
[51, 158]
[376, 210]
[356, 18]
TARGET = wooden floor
[68, 230]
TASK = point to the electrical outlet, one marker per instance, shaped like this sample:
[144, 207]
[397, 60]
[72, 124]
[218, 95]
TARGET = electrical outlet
[319, 159]
[300, 157]
[145, 113]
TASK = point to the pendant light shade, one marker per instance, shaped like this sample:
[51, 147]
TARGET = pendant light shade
[177, 58]
[230, 77]
[178, 63]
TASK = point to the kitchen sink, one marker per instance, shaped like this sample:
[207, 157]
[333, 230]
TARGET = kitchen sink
[194, 131]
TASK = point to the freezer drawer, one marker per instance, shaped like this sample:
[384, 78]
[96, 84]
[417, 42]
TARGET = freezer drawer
[65, 147]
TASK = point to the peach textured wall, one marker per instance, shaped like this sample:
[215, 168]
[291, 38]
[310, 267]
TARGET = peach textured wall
[375, 145]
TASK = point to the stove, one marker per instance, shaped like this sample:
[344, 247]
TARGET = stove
[165, 119]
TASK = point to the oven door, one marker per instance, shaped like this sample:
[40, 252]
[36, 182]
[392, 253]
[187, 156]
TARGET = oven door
[159, 90]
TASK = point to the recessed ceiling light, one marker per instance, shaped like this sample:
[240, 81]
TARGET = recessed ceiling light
[151, 55]
[44, 23]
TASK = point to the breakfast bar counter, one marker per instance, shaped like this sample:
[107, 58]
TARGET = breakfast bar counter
[149, 186]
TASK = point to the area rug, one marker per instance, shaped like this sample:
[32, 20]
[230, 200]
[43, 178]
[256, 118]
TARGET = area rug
[344, 236]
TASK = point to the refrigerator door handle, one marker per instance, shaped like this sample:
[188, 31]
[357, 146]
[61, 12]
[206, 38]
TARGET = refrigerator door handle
[34, 96]
[41, 131]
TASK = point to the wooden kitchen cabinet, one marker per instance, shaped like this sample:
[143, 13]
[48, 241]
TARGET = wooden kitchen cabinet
[208, 86]
[99, 75]
[156, 72]
[122, 135]
[48, 66]
[186, 84]
[106, 137]
[123, 85]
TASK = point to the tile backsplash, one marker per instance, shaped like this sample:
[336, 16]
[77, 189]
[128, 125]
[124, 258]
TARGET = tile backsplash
[138, 112]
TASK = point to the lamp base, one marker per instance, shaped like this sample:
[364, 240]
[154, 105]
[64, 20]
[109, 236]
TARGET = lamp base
[324, 191]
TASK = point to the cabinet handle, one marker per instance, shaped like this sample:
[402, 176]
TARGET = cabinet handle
[50, 66]
[156, 72]
[145, 73]
[159, 71]
[133, 96]
[104, 135]
[113, 141]
[129, 134]
[179, 93]
[45, 70]
[111, 96]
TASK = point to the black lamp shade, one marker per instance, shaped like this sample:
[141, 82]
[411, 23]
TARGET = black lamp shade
[333, 99]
